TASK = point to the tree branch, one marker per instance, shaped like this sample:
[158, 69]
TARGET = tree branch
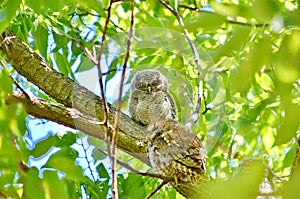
[105, 106]
[73, 118]
[296, 162]
[117, 118]
[59, 87]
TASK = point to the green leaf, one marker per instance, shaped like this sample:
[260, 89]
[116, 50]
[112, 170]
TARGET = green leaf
[17, 116]
[266, 82]
[61, 42]
[260, 107]
[104, 188]
[287, 70]
[67, 139]
[205, 20]
[62, 63]
[98, 154]
[290, 124]
[136, 181]
[6, 84]
[245, 184]
[289, 157]
[267, 137]
[233, 43]
[55, 187]
[113, 67]
[40, 34]
[102, 171]
[44, 146]
[154, 22]
[8, 12]
[290, 189]
[85, 64]
[7, 160]
[225, 9]
[265, 9]
[33, 185]
[240, 81]
[64, 160]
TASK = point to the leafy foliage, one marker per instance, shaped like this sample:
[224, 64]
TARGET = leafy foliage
[250, 63]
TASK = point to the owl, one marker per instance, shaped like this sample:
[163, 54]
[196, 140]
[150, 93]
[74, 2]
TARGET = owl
[175, 152]
[150, 99]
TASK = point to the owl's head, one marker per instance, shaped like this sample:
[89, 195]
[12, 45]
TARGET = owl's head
[150, 81]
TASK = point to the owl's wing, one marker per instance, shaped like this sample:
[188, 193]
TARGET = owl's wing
[188, 150]
[133, 101]
[175, 144]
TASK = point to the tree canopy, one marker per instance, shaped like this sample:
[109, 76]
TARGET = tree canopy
[241, 58]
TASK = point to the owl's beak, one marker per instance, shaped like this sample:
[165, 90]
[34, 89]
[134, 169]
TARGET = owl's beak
[149, 89]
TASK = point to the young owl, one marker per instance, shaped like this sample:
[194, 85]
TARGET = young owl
[175, 152]
[150, 99]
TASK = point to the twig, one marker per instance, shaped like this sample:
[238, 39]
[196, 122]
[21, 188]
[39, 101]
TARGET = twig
[157, 189]
[205, 105]
[19, 87]
[296, 161]
[105, 107]
[87, 160]
[195, 115]
[95, 15]
[16, 83]
[117, 118]
[142, 173]
[228, 20]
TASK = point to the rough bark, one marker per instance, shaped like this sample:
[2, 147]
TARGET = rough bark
[73, 118]
[81, 109]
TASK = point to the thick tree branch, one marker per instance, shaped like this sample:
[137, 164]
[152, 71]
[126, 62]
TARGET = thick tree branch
[73, 118]
[59, 87]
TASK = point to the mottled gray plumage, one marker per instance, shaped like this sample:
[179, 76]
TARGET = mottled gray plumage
[175, 152]
[150, 99]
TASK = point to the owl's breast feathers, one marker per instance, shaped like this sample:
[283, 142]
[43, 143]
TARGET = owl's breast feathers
[150, 99]
[147, 108]
[175, 152]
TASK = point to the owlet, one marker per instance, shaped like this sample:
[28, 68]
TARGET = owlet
[175, 152]
[150, 99]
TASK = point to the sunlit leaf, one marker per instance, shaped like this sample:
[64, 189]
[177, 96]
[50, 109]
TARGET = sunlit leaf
[248, 67]
[289, 189]
[245, 184]
[289, 157]
[267, 136]
[55, 187]
[136, 181]
[40, 34]
[266, 82]
[289, 126]
[32, 179]
[265, 9]
[85, 64]
[204, 20]
[233, 43]
[8, 12]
